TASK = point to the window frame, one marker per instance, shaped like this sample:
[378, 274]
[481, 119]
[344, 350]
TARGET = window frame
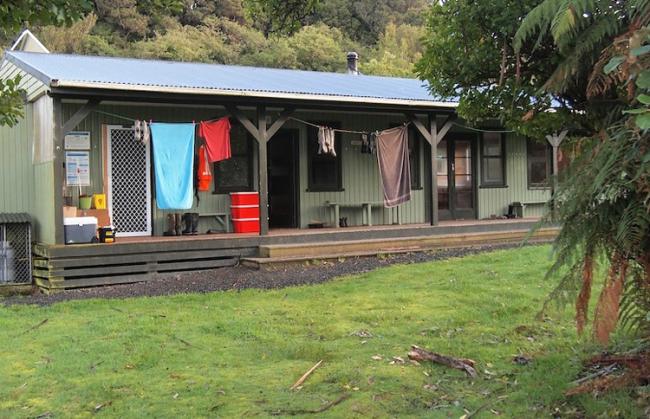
[503, 156]
[549, 165]
[224, 190]
[312, 154]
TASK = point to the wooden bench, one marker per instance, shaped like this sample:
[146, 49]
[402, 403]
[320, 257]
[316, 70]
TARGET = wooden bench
[222, 218]
[531, 204]
[366, 211]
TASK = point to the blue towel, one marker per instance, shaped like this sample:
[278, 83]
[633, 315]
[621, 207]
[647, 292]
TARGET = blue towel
[173, 161]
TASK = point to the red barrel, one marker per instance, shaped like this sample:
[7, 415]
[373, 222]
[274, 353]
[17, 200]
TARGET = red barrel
[244, 198]
[246, 225]
[245, 212]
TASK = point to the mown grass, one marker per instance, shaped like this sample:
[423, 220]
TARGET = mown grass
[237, 353]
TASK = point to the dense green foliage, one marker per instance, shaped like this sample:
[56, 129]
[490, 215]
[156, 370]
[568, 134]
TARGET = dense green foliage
[470, 53]
[14, 14]
[233, 354]
[303, 34]
[604, 199]
[299, 34]
[542, 66]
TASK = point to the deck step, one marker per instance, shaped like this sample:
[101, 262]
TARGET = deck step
[70, 270]
[337, 249]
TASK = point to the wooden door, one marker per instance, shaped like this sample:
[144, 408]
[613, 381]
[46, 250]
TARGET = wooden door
[456, 174]
[282, 152]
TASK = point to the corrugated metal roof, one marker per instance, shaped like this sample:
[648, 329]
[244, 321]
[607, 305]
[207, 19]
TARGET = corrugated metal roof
[62, 70]
[14, 218]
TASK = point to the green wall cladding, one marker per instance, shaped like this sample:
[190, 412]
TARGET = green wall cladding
[26, 187]
[31, 85]
[495, 201]
[361, 182]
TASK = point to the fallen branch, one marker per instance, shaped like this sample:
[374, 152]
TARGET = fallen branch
[418, 354]
[599, 373]
[305, 375]
[618, 371]
[313, 411]
[35, 326]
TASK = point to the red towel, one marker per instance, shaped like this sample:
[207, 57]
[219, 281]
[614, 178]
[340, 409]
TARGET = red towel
[217, 139]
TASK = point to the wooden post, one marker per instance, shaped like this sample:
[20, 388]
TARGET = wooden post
[59, 171]
[433, 127]
[262, 135]
[263, 170]
[433, 137]
[556, 140]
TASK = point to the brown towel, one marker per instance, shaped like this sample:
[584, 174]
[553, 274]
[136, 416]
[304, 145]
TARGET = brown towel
[394, 165]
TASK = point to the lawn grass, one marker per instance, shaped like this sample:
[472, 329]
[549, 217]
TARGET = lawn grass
[237, 353]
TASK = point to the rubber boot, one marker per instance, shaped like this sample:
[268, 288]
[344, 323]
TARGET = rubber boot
[179, 223]
[195, 223]
[187, 220]
[171, 225]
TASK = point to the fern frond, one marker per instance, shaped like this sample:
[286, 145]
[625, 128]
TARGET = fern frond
[536, 21]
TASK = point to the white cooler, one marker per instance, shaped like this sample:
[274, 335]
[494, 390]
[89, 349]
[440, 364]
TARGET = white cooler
[80, 229]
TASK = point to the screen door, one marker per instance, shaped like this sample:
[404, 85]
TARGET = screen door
[129, 182]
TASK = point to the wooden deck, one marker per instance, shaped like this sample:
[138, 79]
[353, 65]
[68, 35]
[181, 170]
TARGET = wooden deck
[134, 259]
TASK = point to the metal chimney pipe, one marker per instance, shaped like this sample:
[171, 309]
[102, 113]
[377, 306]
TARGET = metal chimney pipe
[353, 63]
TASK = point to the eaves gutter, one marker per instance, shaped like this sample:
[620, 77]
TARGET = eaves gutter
[406, 103]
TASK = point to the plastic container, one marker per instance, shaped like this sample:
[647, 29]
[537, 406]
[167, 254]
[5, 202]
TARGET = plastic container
[80, 229]
[7, 262]
[244, 198]
[246, 225]
[99, 201]
[85, 202]
[245, 211]
[106, 234]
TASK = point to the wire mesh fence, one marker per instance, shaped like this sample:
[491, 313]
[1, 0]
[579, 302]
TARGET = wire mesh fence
[15, 253]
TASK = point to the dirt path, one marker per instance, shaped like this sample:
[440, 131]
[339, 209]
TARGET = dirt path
[239, 277]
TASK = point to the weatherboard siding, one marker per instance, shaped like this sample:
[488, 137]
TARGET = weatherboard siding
[495, 201]
[26, 187]
[360, 175]
[32, 86]
[16, 180]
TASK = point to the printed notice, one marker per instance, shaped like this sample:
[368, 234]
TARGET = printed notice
[77, 168]
[77, 140]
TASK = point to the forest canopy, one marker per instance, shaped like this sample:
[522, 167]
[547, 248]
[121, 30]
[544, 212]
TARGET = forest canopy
[310, 35]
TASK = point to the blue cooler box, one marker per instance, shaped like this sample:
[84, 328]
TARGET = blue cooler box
[80, 229]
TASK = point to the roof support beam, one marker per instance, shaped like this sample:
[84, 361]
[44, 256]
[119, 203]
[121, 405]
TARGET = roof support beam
[419, 125]
[282, 119]
[80, 115]
[243, 119]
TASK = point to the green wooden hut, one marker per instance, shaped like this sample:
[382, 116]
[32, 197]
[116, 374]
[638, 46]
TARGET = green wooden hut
[71, 101]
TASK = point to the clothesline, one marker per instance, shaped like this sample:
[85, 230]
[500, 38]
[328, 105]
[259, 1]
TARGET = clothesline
[482, 130]
[318, 126]
[333, 129]
[114, 115]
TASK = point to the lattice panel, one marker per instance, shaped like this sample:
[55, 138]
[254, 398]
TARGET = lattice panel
[15, 253]
[129, 177]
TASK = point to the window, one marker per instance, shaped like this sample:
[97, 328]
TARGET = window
[414, 158]
[324, 169]
[493, 160]
[236, 173]
[539, 163]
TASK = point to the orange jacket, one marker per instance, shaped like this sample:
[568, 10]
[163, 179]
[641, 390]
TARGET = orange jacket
[204, 174]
